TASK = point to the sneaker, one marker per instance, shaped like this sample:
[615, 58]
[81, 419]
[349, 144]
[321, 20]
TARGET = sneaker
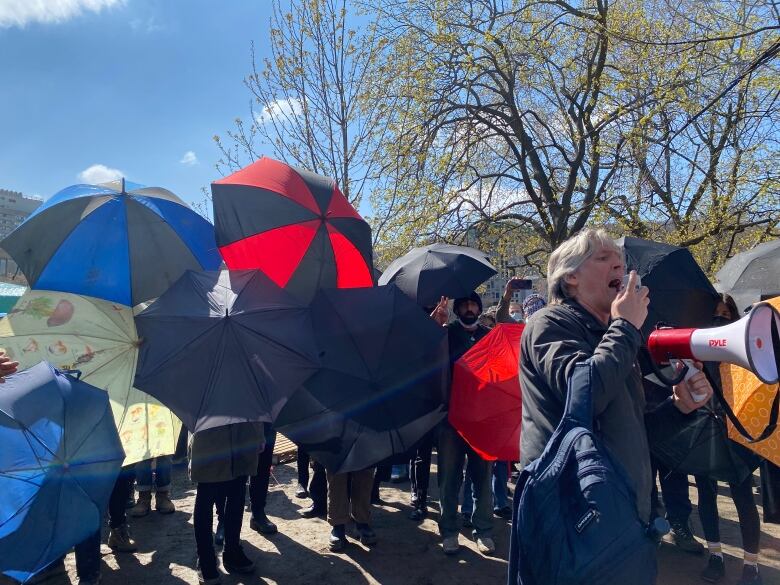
[466, 519]
[337, 541]
[684, 540]
[418, 514]
[119, 539]
[301, 492]
[163, 503]
[262, 524]
[485, 545]
[451, 545]
[93, 580]
[235, 561]
[143, 506]
[208, 577]
[750, 576]
[367, 534]
[505, 512]
[715, 569]
[219, 535]
[312, 512]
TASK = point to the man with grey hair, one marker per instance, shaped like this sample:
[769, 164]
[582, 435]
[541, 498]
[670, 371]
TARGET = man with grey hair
[592, 315]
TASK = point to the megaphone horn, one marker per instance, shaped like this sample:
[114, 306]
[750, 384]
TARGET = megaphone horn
[752, 343]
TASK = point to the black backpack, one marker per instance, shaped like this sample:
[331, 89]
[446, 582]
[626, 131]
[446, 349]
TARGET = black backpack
[575, 520]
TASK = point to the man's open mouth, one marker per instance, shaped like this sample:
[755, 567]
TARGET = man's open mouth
[615, 283]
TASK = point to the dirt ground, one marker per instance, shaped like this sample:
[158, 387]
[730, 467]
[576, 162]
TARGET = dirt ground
[407, 554]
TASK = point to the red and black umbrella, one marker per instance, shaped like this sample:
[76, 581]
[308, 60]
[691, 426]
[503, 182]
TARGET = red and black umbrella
[294, 225]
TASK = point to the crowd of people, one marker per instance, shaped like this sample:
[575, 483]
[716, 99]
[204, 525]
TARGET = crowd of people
[589, 314]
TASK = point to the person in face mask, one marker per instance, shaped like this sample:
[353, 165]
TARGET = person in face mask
[742, 493]
[463, 333]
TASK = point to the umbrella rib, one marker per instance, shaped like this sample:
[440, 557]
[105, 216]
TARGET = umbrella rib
[251, 369]
[271, 340]
[86, 435]
[19, 511]
[176, 354]
[212, 372]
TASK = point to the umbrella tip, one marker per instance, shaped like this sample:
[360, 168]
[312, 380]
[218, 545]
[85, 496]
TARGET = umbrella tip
[123, 186]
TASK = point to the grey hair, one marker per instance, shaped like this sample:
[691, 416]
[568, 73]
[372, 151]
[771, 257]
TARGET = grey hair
[569, 256]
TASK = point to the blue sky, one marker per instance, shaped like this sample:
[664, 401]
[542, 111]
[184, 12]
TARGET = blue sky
[138, 86]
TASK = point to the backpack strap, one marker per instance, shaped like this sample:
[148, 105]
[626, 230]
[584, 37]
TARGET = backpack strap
[579, 400]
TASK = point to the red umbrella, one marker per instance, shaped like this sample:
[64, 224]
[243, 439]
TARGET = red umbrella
[293, 225]
[485, 405]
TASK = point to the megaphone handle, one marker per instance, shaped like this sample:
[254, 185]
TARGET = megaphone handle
[690, 372]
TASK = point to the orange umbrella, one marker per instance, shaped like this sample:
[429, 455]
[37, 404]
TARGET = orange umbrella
[751, 399]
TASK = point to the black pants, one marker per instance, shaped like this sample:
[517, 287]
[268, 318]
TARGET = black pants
[303, 467]
[207, 495]
[117, 502]
[742, 494]
[420, 471]
[258, 484]
[318, 487]
[674, 488]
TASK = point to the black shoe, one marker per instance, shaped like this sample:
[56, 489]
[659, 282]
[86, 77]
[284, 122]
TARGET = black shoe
[466, 520]
[300, 492]
[235, 561]
[219, 535]
[367, 534]
[684, 540]
[312, 512]
[715, 569]
[418, 514]
[505, 512]
[750, 576]
[263, 525]
[337, 541]
[209, 576]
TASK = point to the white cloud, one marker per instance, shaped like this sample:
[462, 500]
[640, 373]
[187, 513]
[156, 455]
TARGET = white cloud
[189, 158]
[100, 174]
[22, 12]
[281, 110]
[148, 25]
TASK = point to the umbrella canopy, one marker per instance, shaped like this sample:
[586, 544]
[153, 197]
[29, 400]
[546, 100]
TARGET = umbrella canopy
[752, 401]
[293, 225]
[485, 404]
[428, 273]
[58, 464]
[99, 339]
[680, 293]
[121, 242]
[753, 275]
[224, 347]
[382, 381]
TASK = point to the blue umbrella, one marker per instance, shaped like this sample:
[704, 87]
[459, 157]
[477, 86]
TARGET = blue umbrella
[59, 460]
[118, 241]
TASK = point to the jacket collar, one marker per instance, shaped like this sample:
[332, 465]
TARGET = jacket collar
[585, 316]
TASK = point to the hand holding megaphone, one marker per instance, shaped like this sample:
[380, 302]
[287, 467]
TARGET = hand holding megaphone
[694, 390]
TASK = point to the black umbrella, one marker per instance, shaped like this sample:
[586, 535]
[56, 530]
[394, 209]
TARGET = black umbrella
[681, 295]
[224, 347]
[753, 275]
[428, 273]
[382, 382]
